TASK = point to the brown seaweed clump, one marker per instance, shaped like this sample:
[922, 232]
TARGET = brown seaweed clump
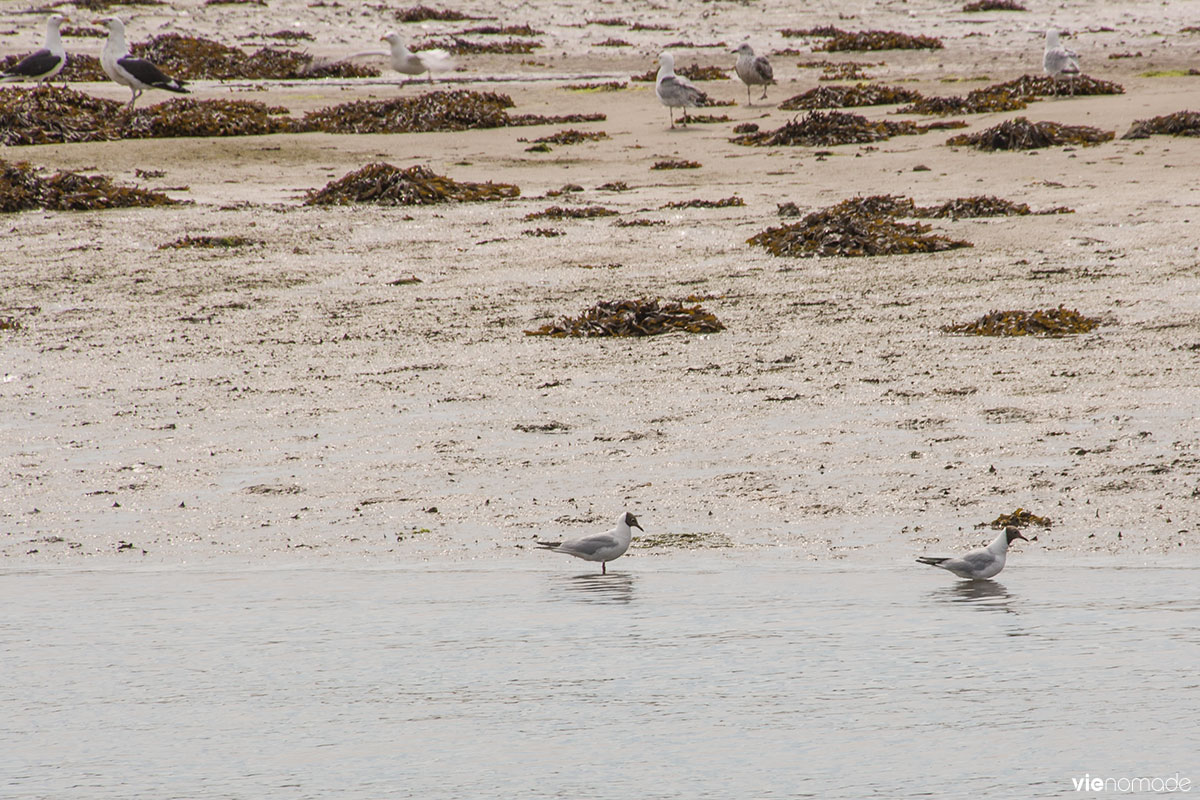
[558, 212]
[1045, 86]
[1021, 134]
[189, 117]
[859, 41]
[424, 13]
[993, 5]
[643, 317]
[693, 72]
[1181, 123]
[53, 115]
[1045, 322]
[384, 184]
[524, 29]
[197, 58]
[861, 94]
[725, 203]
[433, 111]
[853, 228]
[983, 206]
[824, 128]
[23, 189]
[209, 242]
[676, 163]
[572, 136]
[1017, 519]
[459, 46]
[605, 86]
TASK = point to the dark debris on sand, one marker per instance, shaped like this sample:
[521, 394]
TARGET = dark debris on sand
[1017, 519]
[864, 226]
[825, 128]
[22, 188]
[693, 72]
[1012, 95]
[859, 41]
[676, 163]
[571, 136]
[727, 202]
[206, 242]
[583, 212]
[993, 5]
[862, 94]
[1181, 123]
[641, 317]
[421, 13]
[983, 206]
[1044, 322]
[384, 184]
[1021, 134]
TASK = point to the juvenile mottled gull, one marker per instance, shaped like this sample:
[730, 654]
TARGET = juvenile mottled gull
[41, 65]
[1058, 60]
[136, 73]
[753, 70]
[602, 547]
[986, 562]
[674, 91]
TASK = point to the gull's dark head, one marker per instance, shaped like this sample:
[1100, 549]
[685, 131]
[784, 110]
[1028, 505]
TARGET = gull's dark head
[632, 522]
[1013, 533]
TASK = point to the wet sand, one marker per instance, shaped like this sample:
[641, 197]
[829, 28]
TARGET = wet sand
[293, 400]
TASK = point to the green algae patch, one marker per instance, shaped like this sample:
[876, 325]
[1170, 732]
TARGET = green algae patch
[636, 318]
[384, 184]
[1051, 322]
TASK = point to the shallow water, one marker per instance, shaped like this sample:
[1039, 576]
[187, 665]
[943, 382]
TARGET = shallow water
[689, 677]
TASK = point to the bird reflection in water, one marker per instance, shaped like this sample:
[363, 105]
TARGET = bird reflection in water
[984, 594]
[613, 588]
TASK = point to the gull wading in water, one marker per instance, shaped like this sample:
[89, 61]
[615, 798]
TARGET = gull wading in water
[602, 547]
[986, 562]
[1058, 60]
[136, 73]
[753, 70]
[674, 91]
[41, 65]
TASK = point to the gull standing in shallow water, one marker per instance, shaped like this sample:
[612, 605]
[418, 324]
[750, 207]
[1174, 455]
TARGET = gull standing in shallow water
[41, 65]
[986, 562]
[602, 547]
[753, 70]
[674, 91]
[136, 73]
[1058, 60]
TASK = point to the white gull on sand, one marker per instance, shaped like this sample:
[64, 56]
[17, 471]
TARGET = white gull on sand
[674, 91]
[602, 547]
[407, 62]
[753, 70]
[1058, 60]
[136, 73]
[41, 65]
[986, 562]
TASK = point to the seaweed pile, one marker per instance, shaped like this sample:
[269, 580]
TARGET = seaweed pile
[1045, 322]
[209, 242]
[425, 13]
[525, 29]
[862, 94]
[856, 227]
[1021, 134]
[1011, 95]
[558, 212]
[433, 111]
[188, 117]
[53, 115]
[1045, 86]
[23, 189]
[983, 206]
[572, 136]
[993, 5]
[693, 72]
[725, 203]
[383, 184]
[676, 163]
[858, 41]
[606, 86]
[1181, 123]
[642, 317]
[840, 70]
[459, 46]
[1017, 519]
[824, 128]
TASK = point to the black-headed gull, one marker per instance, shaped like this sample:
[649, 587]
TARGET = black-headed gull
[602, 547]
[41, 65]
[986, 562]
[674, 91]
[136, 73]
[753, 70]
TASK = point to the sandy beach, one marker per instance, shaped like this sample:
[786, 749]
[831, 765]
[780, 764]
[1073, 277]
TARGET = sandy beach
[303, 398]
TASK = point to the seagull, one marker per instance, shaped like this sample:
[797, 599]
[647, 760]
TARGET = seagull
[986, 562]
[409, 63]
[602, 547]
[753, 70]
[1058, 60]
[674, 91]
[136, 73]
[44, 64]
